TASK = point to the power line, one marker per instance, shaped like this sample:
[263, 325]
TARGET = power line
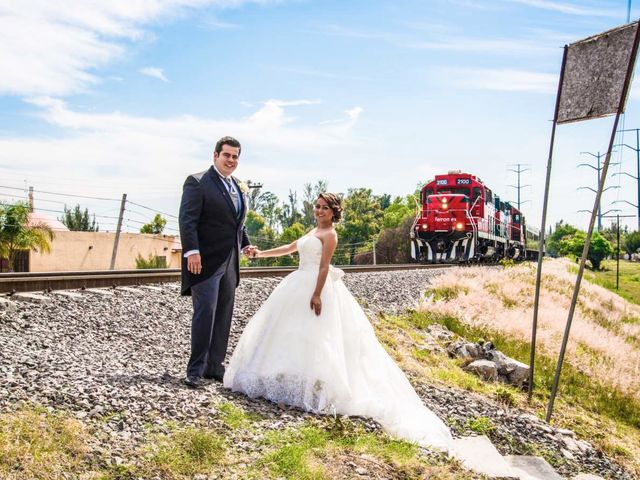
[152, 209]
[62, 194]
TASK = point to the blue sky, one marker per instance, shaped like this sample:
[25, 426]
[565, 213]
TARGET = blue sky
[130, 96]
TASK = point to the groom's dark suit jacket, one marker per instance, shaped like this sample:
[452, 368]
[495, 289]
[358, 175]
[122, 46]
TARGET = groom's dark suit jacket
[209, 223]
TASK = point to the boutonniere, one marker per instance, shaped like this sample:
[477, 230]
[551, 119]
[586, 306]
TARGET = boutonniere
[244, 188]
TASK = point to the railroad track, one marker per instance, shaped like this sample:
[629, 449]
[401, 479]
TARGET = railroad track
[48, 281]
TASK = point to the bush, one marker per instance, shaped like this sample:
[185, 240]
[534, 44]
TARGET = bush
[153, 261]
[599, 249]
[632, 243]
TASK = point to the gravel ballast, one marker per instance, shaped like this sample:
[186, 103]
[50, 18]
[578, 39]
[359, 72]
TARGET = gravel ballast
[117, 361]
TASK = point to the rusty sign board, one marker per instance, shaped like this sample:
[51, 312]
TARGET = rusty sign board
[594, 75]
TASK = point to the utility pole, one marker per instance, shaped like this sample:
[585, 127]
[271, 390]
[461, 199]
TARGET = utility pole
[617, 252]
[31, 198]
[637, 176]
[519, 170]
[618, 217]
[374, 252]
[118, 228]
[253, 196]
[598, 169]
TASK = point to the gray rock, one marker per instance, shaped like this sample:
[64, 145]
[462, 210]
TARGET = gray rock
[30, 297]
[464, 349]
[485, 369]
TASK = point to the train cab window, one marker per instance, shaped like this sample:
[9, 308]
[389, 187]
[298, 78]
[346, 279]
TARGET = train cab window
[488, 196]
[426, 192]
[496, 202]
[477, 193]
[462, 191]
[516, 218]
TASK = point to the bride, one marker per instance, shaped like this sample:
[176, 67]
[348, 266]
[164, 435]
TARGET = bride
[311, 346]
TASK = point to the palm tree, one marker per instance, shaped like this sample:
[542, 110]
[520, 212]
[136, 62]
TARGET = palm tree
[16, 234]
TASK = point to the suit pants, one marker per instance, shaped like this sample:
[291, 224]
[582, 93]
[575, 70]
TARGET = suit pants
[213, 301]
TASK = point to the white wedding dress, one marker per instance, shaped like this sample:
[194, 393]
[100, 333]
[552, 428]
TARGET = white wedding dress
[331, 363]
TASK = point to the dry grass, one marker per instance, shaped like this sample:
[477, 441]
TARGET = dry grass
[605, 334]
[35, 444]
[597, 413]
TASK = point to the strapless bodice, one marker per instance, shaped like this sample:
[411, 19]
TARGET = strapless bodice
[310, 251]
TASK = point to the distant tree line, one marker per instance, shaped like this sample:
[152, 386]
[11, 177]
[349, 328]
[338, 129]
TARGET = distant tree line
[568, 241]
[367, 219]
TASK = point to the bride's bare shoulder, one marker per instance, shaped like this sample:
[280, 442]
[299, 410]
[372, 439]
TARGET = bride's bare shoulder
[329, 235]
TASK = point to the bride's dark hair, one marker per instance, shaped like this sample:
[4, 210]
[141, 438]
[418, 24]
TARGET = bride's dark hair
[335, 204]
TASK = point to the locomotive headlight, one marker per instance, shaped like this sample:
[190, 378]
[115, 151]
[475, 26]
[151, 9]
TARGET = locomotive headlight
[459, 226]
[424, 227]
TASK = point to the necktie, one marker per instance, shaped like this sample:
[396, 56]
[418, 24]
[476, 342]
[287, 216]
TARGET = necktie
[233, 193]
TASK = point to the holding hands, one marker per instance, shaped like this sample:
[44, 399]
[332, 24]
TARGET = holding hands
[251, 251]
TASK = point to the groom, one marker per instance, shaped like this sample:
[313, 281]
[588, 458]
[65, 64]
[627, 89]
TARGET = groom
[212, 232]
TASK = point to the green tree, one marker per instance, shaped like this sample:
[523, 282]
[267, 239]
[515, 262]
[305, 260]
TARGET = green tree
[599, 249]
[254, 223]
[77, 220]
[16, 232]
[289, 235]
[552, 243]
[269, 209]
[362, 220]
[392, 245]
[289, 213]
[384, 200]
[397, 211]
[261, 235]
[261, 202]
[155, 226]
[632, 242]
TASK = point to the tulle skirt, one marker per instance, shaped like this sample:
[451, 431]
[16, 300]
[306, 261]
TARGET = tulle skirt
[330, 363]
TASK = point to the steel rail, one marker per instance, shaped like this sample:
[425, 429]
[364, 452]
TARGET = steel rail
[48, 281]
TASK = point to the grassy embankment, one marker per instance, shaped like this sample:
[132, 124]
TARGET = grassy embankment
[37, 444]
[629, 280]
[599, 395]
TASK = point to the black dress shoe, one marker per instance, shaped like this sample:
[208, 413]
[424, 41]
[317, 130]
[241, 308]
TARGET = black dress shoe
[192, 381]
[218, 377]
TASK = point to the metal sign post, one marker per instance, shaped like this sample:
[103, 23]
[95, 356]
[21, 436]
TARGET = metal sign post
[591, 50]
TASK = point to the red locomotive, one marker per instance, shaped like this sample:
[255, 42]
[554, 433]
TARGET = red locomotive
[462, 220]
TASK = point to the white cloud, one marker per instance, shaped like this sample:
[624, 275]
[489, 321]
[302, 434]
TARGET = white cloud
[319, 73]
[352, 118]
[146, 155]
[570, 8]
[272, 114]
[447, 42]
[154, 72]
[500, 79]
[55, 48]
[212, 23]
[478, 45]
